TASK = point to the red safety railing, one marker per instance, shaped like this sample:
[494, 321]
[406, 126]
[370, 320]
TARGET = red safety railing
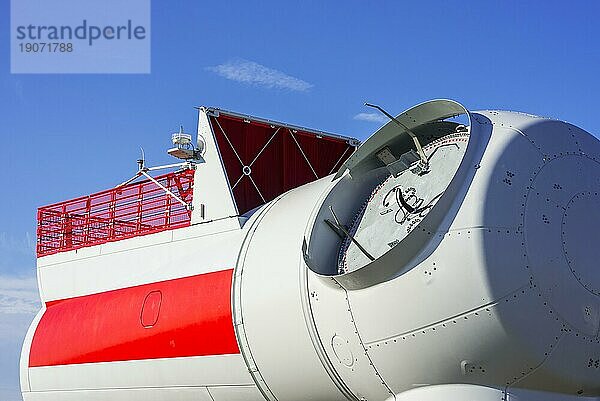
[128, 211]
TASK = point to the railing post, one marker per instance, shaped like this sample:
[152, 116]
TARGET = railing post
[168, 204]
[88, 211]
[111, 215]
[67, 228]
[139, 207]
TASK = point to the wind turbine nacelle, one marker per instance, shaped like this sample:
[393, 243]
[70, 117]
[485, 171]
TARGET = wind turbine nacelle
[473, 278]
[484, 269]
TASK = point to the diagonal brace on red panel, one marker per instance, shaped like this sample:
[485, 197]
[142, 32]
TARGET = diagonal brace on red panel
[303, 154]
[247, 168]
[274, 158]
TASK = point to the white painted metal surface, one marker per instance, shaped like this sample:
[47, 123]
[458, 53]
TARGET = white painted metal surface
[198, 249]
[494, 294]
[215, 199]
[399, 203]
[272, 316]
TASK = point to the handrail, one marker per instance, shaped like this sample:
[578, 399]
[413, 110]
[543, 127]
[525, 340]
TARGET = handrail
[127, 211]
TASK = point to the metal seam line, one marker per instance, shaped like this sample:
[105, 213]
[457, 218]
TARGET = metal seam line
[229, 142]
[256, 157]
[303, 154]
[264, 147]
[449, 319]
[257, 190]
[238, 181]
[240, 160]
[340, 159]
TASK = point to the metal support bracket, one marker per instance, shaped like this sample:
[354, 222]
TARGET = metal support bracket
[423, 166]
[343, 229]
[143, 170]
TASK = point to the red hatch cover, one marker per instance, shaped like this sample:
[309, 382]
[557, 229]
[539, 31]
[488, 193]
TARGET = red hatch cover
[264, 159]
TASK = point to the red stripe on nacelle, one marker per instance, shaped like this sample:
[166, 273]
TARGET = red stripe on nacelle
[189, 316]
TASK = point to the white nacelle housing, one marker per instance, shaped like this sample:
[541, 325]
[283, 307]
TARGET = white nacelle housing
[481, 289]
[472, 276]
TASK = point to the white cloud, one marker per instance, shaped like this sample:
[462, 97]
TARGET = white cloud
[249, 72]
[18, 295]
[371, 117]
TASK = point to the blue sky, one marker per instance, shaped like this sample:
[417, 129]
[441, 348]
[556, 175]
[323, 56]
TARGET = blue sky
[310, 63]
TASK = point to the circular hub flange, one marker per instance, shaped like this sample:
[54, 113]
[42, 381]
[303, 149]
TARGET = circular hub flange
[561, 219]
[582, 252]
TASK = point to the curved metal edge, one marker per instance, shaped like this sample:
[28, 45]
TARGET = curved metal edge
[411, 246]
[236, 306]
[418, 115]
[311, 325]
[316, 339]
[24, 378]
